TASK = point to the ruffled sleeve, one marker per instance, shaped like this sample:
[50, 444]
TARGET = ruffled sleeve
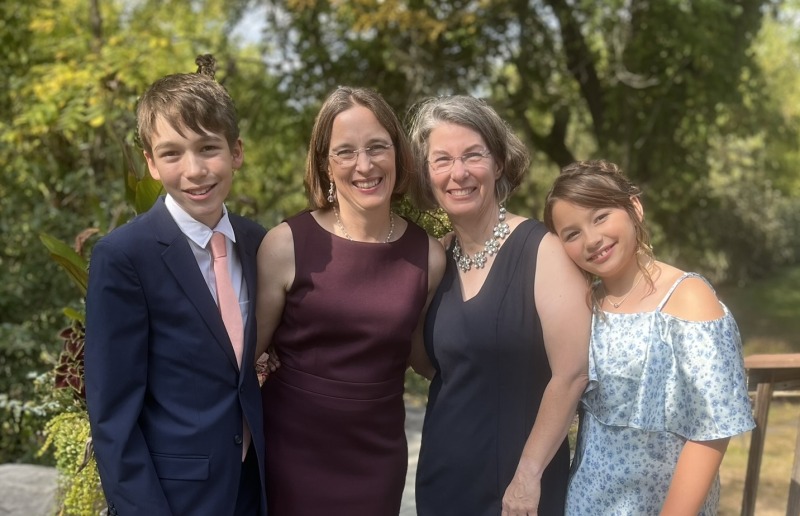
[656, 372]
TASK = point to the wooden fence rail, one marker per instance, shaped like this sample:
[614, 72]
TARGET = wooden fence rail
[765, 375]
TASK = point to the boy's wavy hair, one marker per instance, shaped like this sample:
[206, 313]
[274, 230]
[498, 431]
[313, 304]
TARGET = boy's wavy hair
[193, 101]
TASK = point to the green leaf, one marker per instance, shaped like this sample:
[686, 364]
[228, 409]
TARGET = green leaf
[146, 193]
[72, 262]
[75, 315]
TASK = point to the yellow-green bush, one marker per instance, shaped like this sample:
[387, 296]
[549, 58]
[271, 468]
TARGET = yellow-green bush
[80, 493]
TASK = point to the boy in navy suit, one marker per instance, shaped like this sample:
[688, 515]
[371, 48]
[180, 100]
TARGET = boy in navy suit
[174, 402]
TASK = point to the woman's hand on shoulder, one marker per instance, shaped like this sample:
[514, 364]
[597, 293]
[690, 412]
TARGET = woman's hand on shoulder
[694, 300]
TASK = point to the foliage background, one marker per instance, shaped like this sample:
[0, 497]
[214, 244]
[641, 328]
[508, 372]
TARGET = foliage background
[698, 100]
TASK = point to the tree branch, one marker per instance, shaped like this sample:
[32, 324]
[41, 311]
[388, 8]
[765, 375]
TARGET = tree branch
[580, 64]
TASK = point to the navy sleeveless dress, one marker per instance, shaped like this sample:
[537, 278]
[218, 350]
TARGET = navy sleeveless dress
[491, 372]
[333, 412]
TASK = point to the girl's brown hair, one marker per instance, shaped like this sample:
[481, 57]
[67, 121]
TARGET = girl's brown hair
[600, 184]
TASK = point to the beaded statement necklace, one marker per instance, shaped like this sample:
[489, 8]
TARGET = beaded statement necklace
[465, 262]
[346, 234]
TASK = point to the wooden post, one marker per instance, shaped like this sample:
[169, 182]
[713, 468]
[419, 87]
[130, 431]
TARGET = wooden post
[793, 506]
[768, 373]
[763, 400]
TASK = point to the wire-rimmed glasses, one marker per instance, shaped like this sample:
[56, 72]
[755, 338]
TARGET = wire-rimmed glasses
[443, 164]
[348, 157]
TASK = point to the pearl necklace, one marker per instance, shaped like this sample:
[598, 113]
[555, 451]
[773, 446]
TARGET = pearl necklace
[346, 234]
[500, 231]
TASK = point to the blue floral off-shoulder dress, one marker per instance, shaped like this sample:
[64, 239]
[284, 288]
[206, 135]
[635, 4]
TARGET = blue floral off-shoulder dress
[655, 381]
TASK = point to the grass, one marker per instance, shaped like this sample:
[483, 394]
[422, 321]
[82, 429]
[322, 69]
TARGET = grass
[768, 312]
[768, 315]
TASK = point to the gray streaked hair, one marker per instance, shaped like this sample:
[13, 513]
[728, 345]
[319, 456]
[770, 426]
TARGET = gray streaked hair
[506, 148]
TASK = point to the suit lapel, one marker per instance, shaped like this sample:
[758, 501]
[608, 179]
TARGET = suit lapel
[178, 257]
[248, 262]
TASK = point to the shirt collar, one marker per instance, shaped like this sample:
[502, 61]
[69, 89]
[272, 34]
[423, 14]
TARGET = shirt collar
[196, 231]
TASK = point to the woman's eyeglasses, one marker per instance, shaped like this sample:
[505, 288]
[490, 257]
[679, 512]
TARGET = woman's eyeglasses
[444, 164]
[348, 157]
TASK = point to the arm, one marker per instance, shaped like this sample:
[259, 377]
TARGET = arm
[699, 461]
[560, 293]
[116, 357]
[696, 469]
[419, 360]
[275, 276]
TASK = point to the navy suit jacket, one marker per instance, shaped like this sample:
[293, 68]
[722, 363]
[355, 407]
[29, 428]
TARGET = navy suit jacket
[164, 393]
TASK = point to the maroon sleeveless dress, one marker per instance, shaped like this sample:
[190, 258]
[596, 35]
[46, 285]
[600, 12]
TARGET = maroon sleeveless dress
[333, 412]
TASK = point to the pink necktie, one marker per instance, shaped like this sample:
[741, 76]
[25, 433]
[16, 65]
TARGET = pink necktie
[228, 303]
[227, 299]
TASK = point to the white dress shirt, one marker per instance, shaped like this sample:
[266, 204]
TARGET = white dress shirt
[199, 235]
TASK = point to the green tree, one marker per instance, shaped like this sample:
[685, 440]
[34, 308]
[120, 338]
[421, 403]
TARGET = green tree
[654, 86]
[73, 72]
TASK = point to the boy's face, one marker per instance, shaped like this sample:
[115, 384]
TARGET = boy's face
[195, 169]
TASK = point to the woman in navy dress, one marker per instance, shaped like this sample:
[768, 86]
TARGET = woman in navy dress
[506, 335]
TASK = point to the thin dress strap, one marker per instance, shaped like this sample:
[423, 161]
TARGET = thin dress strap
[675, 285]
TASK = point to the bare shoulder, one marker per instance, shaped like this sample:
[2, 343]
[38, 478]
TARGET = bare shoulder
[276, 253]
[277, 239]
[552, 254]
[694, 300]
[556, 273]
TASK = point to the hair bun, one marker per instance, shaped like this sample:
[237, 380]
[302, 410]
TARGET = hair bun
[606, 167]
[206, 65]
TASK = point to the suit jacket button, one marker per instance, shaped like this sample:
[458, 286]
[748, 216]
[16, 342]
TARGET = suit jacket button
[237, 439]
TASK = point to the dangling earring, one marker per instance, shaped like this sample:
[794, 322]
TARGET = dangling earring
[332, 193]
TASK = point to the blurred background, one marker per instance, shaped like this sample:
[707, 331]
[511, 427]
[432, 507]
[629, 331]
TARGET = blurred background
[699, 101]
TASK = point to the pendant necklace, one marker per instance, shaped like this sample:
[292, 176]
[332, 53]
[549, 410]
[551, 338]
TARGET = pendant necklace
[465, 262]
[618, 304]
[346, 234]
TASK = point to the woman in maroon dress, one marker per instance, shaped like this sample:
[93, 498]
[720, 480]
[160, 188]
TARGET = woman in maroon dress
[342, 289]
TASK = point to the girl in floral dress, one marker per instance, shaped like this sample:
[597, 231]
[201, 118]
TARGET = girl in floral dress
[667, 386]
